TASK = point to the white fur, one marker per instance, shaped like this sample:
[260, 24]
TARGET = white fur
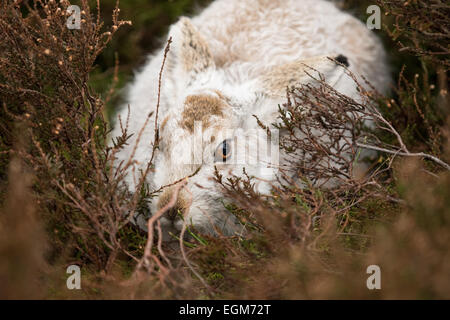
[245, 45]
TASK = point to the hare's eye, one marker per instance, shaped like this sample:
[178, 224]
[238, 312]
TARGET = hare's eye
[223, 152]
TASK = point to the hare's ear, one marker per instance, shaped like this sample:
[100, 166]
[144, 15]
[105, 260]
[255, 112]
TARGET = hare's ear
[189, 53]
[279, 78]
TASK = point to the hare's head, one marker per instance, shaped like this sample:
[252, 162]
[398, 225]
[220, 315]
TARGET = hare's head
[210, 118]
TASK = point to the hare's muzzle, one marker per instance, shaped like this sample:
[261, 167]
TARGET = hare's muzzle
[178, 210]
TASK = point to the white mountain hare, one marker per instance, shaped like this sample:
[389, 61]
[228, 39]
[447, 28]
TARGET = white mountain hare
[234, 60]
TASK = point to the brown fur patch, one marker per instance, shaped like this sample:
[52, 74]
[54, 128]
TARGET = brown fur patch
[201, 108]
[294, 74]
[279, 78]
[180, 204]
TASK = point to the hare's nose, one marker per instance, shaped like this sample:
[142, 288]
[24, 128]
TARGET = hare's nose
[174, 211]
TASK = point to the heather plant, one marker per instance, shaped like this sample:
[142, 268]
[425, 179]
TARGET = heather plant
[418, 31]
[44, 88]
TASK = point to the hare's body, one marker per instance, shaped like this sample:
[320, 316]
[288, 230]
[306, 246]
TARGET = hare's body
[267, 33]
[234, 60]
